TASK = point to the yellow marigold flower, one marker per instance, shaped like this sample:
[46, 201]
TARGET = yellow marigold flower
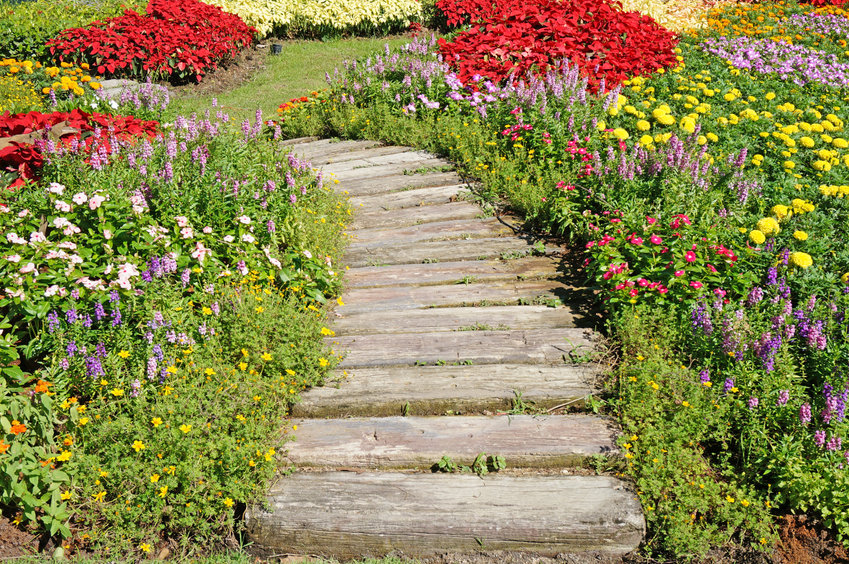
[768, 226]
[802, 260]
[757, 237]
[807, 142]
[789, 164]
[666, 119]
[620, 134]
[600, 125]
[65, 456]
[94, 85]
[821, 166]
[840, 143]
[780, 211]
[845, 278]
[643, 125]
[800, 235]
[646, 140]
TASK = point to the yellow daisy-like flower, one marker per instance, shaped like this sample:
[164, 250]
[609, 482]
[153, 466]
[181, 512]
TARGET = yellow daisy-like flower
[228, 502]
[185, 428]
[65, 456]
[768, 226]
[99, 496]
[65, 496]
[144, 547]
[266, 356]
[154, 478]
[209, 372]
[156, 421]
[138, 445]
[322, 362]
[124, 354]
[802, 260]
[163, 491]
[800, 235]
[117, 392]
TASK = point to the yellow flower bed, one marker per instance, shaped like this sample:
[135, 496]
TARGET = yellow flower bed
[339, 15]
[675, 15]
[17, 95]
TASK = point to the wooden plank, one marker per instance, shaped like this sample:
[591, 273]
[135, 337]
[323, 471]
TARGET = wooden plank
[353, 515]
[360, 300]
[298, 141]
[437, 230]
[377, 171]
[410, 157]
[415, 216]
[407, 198]
[463, 347]
[437, 390]
[498, 318]
[386, 184]
[328, 147]
[433, 251]
[453, 272]
[525, 441]
[364, 153]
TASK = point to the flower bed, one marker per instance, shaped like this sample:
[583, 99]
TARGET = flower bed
[144, 276]
[173, 40]
[710, 200]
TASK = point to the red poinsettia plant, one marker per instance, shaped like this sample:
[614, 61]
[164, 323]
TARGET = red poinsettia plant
[175, 39]
[23, 160]
[513, 37]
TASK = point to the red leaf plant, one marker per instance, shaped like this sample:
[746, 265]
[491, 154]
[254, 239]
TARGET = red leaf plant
[174, 39]
[512, 37]
[25, 159]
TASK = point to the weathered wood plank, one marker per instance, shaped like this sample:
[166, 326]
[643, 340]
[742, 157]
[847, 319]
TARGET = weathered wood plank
[298, 141]
[498, 318]
[433, 251]
[360, 300]
[407, 198]
[364, 153]
[544, 346]
[437, 230]
[386, 184]
[525, 441]
[436, 390]
[377, 171]
[327, 147]
[452, 272]
[351, 515]
[410, 157]
[415, 216]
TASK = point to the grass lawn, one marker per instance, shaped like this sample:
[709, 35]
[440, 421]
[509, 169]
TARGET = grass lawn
[296, 72]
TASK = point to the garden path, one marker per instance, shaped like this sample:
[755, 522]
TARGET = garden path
[454, 322]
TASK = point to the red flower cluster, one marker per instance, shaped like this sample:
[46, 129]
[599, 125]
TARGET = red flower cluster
[517, 36]
[26, 160]
[180, 39]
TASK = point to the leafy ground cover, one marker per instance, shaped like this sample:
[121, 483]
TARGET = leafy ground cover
[709, 197]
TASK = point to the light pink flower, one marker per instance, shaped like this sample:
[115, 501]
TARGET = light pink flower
[56, 188]
[95, 201]
[244, 219]
[62, 206]
[182, 221]
[80, 198]
[13, 258]
[27, 268]
[207, 229]
[37, 237]
[187, 232]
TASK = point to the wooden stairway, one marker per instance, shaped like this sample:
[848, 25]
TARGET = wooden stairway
[451, 318]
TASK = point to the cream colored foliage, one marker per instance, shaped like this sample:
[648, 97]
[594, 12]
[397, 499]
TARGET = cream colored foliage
[265, 15]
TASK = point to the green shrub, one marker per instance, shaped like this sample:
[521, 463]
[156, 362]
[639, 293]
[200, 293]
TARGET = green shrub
[25, 27]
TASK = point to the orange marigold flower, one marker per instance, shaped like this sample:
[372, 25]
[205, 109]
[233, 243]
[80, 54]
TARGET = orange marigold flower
[3, 447]
[41, 386]
[18, 427]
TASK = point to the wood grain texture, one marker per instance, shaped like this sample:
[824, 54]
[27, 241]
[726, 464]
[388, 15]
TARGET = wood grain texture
[525, 441]
[387, 184]
[371, 172]
[415, 216]
[450, 319]
[327, 147]
[359, 154]
[543, 346]
[372, 158]
[437, 230]
[436, 390]
[432, 251]
[400, 298]
[453, 272]
[407, 198]
[351, 515]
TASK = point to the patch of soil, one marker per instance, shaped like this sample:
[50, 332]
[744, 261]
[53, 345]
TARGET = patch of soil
[15, 542]
[247, 63]
[805, 541]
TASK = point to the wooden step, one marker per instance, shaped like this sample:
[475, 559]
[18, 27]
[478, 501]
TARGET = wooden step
[353, 515]
[494, 318]
[400, 298]
[434, 251]
[543, 346]
[453, 272]
[368, 160]
[359, 154]
[373, 172]
[407, 198]
[327, 147]
[387, 184]
[415, 216]
[298, 141]
[525, 441]
[437, 390]
[437, 230]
